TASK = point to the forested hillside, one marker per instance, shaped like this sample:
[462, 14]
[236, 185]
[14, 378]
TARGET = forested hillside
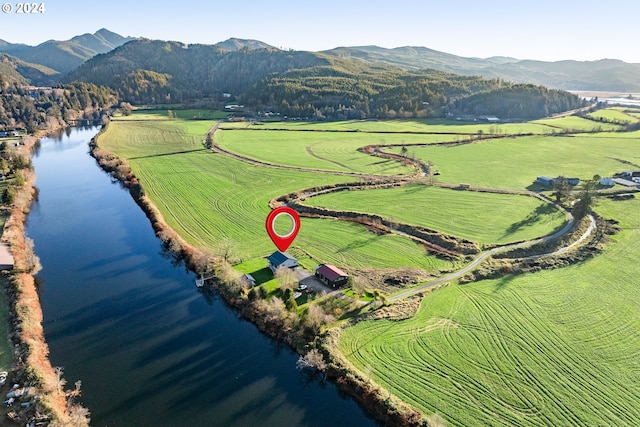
[15, 70]
[605, 74]
[304, 84]
[33, 109]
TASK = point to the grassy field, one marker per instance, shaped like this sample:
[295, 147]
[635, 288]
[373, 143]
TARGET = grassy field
[558, 347]
[348, 244]
[208, 197]
[614, 114]
[404, 126]
[576, 124]
[6, 349]
[514, 163]
[164, 114]
[318, 150]
[497, 218]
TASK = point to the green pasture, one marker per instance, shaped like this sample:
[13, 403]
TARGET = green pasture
[404, 126]
[514, 163]
[330, 151]
[6, 348]
[495, 218]
[348, 244]
[152, 138]
[615, 114]
[207, 197]
[186, 114]
[575, 124]
[559, 347]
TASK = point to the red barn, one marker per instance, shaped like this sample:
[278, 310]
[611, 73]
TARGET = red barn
[331, 275]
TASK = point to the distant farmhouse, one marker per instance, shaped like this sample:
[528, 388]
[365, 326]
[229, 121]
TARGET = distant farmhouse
[281, 259]
[630, 175]
[331, 275]
[550, 182]
[546, 181]
[628, 178]
[607, 182]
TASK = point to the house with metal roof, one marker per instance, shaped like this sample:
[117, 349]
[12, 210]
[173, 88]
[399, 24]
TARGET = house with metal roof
[281, 259]
[331, 275]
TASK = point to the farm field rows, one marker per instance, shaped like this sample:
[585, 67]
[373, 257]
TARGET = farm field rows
[558, 347]
[498, 218]
[407, 126]
[208, 197]
[319, 150]
[515, 163]
[614, 114]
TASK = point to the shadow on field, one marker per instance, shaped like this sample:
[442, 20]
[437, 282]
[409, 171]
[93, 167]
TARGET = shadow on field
[535, 216]
[503, 282]
[167, 154]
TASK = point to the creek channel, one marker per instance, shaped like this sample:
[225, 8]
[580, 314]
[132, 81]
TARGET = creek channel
[124, 318]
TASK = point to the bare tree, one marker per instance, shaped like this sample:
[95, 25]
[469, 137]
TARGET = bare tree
[227, 249]
[204, 261]
[316, 318]
[312, 360]
[286, 277]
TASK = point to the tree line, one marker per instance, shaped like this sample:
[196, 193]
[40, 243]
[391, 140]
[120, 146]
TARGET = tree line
[308, 84]
[39, 108]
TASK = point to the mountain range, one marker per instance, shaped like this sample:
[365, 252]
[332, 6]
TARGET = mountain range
[601, 75]
[52, 60]
[65, 56]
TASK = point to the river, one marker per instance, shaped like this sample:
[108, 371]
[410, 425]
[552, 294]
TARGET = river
[122, 317]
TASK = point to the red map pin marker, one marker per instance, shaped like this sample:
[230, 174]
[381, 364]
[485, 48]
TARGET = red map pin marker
[283, 242]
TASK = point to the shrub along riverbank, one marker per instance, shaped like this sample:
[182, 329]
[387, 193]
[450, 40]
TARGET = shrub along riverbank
[301, 329]
[42, 397]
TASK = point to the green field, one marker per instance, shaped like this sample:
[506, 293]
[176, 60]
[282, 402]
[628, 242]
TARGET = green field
[330, 151]
[559, 347]
[186, 114]
[514, 163]
[208, 197]
[614, 114]
[576, 124]
[6, 348]
[497, 218]
[344, 243]
[407, 126]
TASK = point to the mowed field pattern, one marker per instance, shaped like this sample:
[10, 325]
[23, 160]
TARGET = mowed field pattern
[209, 197]
[514, 163]
[496, 218]
[556, 348]
[330, 151]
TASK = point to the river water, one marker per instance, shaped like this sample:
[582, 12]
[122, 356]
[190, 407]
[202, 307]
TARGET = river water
[123, 318]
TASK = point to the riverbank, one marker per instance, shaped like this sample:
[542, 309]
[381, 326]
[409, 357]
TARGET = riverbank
[44, 399]
[300, 333]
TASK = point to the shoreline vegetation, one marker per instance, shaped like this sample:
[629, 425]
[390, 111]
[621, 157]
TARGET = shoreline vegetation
[305, 335]
[309, 337]
[309, 334]
[44, 399]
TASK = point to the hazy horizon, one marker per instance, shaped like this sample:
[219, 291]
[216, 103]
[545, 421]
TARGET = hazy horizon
[545, 30]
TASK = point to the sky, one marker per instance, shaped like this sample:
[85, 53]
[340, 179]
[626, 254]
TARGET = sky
[543, 29]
